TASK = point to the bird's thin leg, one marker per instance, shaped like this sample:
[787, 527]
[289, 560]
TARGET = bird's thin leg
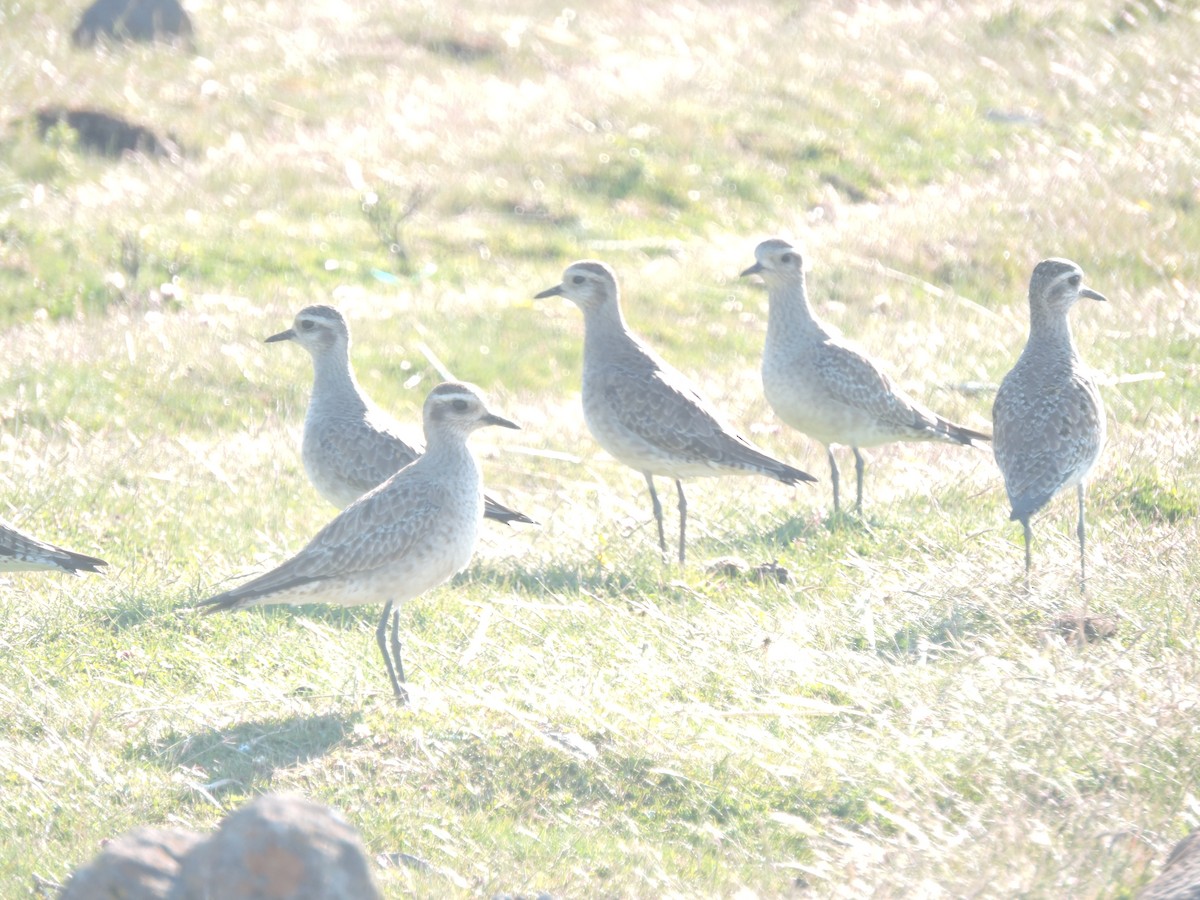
[402, 694]
[833, 475]
[1028, 531]
[658, 516]
[1081, 625]
[1082, 556]
[859, 466]
[682, 518]
[381, 638]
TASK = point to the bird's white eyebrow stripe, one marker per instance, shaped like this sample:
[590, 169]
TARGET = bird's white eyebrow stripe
[1065, 276]
[318, 316]
[455, 394]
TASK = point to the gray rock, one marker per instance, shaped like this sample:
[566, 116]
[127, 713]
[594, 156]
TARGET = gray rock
[282, 847]
[139, 865]
[133, 20]
[1180, 877]
[99, 132]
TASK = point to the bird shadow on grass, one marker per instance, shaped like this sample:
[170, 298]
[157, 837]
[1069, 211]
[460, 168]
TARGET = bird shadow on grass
[557, 579]
[248, 753]
[800, 529]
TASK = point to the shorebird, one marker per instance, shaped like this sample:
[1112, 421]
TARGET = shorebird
[643, 411]
[22, 552]
[1048, 417]
[350, 445]
[821, 385]
[403, 538]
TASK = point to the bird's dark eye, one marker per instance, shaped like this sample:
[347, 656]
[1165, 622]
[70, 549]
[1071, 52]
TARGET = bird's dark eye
[307, 325]
[788, 257]
[576, 279]
[1074, 279]
[460, 404]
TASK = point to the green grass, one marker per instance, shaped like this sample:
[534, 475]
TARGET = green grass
[900, 718]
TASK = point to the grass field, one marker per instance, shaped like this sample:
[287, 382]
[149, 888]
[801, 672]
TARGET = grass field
[900, 719]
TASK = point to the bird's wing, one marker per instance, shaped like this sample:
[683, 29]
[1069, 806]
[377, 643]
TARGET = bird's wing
[662, 408]
[377, 528]
[364, 453]
[855, 380]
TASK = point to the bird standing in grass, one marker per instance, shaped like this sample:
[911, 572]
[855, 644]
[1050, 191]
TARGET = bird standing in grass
[1048, 417]
[403, 538]
[350, 445]
[22, 552]
[824, 387]
[643, 411]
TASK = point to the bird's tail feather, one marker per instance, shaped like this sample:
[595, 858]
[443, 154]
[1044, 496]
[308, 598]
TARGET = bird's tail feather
[781, 471]
[81, 562]
[963, 435]
[494, 509]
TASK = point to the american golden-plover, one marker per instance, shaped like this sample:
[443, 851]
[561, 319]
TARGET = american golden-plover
[350, 444]
[824, 387]
[403, 538]
[1048, 417]
[643, 411]
[22, 552]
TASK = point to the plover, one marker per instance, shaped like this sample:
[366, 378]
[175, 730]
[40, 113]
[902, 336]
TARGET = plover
[1048, 417]
[397, 541]
[824, 387]
[350, 445]
[644, 412]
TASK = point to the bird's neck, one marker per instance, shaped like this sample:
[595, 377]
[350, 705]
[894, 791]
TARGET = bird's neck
[334, 384]
[790, 319]
[1050, 333]
[605, 334]
[448, 450]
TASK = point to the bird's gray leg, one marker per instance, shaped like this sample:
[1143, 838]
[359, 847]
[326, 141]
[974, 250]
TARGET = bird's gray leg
[833, 475]
[1082, 557]
[395, 647]
[682, 518]
[381, 638]
[658, 515]
[1081, 625]
[1028, 531]
[859, 466]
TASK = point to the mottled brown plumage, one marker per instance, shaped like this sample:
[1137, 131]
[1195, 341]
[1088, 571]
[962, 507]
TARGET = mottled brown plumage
[1048, 418]
[645, 412]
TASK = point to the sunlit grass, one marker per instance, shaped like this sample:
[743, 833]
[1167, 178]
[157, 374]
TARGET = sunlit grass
[899, 718]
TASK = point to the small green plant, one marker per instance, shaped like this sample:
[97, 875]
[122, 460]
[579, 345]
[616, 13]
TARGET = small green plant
[1145, 497]
[388, 215]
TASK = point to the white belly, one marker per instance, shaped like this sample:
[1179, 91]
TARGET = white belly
[644, 456]
[801, 400]
[442, 551]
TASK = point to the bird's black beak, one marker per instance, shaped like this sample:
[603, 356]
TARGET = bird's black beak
[493, 419]
[1092, 295]
[753, 270]
[289, 335]
[556, 291]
